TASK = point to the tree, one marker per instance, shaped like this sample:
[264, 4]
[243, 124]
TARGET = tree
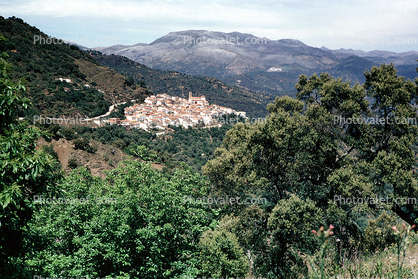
[68, 133]
[82, 144]
[142, 83]
[328, 145]
[393, 99]
[129, 81]
[143, 152]
[290, 224]
[134, 223]
[250, 228]
[24, 172]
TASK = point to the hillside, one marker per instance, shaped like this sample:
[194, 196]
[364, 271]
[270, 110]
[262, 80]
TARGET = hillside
[266, 66]
[102, 148]
[105, 158]
[119, 88]
[301, 195]
[270, 83]
[178, 84]
[86, 88]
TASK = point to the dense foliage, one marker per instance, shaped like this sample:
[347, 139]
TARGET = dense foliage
[133, 223]
[24, 172]
[339, 156]
[321, 165]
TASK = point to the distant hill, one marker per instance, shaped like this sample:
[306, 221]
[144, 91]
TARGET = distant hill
[179, 84]
[42, 60]
[352, 68]
[267, 66]
[217, 54]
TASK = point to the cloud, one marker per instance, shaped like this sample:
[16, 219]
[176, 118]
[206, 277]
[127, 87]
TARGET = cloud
[331, 23]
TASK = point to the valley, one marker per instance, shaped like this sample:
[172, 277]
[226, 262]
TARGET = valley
[165, 177]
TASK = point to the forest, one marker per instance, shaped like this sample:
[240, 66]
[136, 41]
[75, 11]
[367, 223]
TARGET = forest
[324, 198]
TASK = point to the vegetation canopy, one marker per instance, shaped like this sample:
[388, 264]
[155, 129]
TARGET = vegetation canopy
[339, 156]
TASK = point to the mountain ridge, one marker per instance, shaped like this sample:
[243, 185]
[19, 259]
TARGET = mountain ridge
[237, 58]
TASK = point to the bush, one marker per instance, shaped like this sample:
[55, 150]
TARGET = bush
[72, 163]
[130, 82]
[119, 144]
[378, 234]
[221, 256]
[54, 129]
[82, 144]
[142, 83]
[50, 150]
[69, 133]
[91, 149]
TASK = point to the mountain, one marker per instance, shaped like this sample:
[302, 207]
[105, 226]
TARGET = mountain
[180, 84]
[200, 52]
[90, 83]
[267, 66]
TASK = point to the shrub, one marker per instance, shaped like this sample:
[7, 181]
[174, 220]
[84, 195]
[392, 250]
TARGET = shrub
[119, 144]
[378, 233]
[72, 163]
[91, 149]
[221, 256]
[82, 144]
[50, 150]
[69, 133]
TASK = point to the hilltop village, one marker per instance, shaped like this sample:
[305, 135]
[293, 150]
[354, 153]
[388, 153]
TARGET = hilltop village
[163, 110]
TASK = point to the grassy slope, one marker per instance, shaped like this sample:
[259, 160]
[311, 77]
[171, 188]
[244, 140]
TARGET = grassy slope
[112, 83]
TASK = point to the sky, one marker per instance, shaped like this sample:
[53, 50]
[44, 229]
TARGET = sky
[355, 24]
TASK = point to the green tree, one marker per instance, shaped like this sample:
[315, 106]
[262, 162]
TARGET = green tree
[393, 99]
[143, 152]
[327, 145]
[24, 172]
[290, 224]
[129, 81]
[250, 227]
[142, 83]
[133, 223]
[119, 144]
[69, 133]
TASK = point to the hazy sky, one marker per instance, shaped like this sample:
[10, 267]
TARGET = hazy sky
[358, 24]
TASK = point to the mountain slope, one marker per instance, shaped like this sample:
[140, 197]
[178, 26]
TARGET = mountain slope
[267, 66]
[178, 84]
[217, 54]
[86, 88]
